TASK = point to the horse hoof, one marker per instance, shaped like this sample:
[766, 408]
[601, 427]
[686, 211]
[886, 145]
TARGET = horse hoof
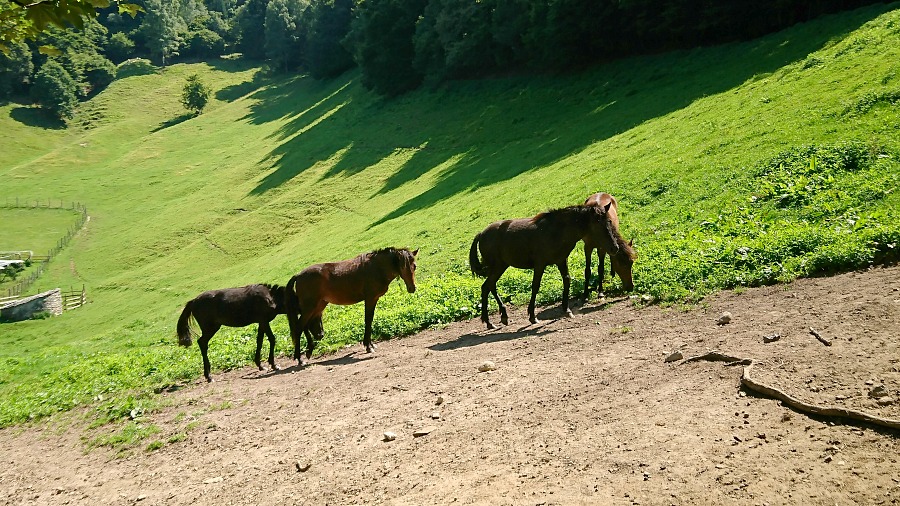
[534, 321]
[490, 326]
[569, 313]
[370, 349]
[504, 321]
[275, 367]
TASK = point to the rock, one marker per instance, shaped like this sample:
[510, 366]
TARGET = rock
[885, 401]
[724, 319]
[424, 431]
[389, 436]
[674, 356]
[435, 416]
[772, 338]
[486, 366]
[141, 497]
[828, 459]
[439, 401]
[210, 481]
[878, 391]
[302, 466]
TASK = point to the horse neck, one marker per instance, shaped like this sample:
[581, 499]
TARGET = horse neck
[383, 262]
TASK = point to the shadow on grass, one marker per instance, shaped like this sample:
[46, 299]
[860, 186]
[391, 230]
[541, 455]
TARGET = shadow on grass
[174, 121]
[37, 117]
[528, 123]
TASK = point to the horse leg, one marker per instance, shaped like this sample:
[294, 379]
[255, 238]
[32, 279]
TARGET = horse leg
[485, 289]
[271, 335]
[490, 286]
[600, 267]
[567, 280]
[588, 251]
[504, 319]
[370, 315]
[259, 340]
[320, 330]
[203, 343]
[535, 286]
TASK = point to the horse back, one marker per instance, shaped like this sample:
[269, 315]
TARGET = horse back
[523, 243]
[236, 307]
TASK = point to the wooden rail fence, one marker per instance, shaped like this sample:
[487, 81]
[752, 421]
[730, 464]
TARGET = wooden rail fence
[73, 299]
[44, 260]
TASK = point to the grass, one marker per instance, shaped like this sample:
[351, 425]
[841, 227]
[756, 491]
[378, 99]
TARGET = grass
[735, 165]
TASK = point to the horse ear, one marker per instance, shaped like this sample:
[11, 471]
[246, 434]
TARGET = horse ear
[607, 206]
[416, 252]
[631, 242]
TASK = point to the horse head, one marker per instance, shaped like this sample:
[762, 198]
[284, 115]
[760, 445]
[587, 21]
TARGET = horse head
[406, 267]
[622, 264]
[603, 229]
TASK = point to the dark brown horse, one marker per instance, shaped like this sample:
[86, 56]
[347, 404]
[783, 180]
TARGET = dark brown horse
[364, 278]
[620, 262]
[535, 243]
[233, 307]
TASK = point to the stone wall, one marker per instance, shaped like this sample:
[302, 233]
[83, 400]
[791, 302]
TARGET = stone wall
[23, 309]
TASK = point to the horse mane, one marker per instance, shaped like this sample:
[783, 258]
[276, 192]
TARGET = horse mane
[563, 211]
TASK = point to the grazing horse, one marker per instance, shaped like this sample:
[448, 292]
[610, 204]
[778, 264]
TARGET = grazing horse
[233, 307]
[621, 262]
[364, 278]
[535, 243]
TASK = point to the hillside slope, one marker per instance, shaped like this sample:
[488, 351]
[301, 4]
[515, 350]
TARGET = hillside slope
[704, 150]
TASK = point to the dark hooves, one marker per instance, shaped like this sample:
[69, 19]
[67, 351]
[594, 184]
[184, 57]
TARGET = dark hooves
[490, 326]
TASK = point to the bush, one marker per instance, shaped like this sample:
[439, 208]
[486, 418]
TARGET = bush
[98, 73]
[135, 67]
[120, 47]
[195, 94]
[54, 89]
[204, 43]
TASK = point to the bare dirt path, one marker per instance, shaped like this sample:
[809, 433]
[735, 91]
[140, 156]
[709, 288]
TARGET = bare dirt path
[578, 411]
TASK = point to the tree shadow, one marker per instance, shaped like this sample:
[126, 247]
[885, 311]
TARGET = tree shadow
[36, 117]
[532, 122]
[174, 121]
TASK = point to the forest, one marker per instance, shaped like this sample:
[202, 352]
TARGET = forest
[398, 45]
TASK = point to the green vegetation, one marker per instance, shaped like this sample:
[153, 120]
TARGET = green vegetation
[735, 165]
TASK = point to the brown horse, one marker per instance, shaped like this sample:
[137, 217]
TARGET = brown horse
[621, 262]
[364, 278]
[232, 307]
[535, 243]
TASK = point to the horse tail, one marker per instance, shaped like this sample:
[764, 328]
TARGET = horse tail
[184, 325]
[475, 264]
[292, 309]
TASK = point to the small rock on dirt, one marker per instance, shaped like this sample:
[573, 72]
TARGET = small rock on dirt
[439, 400]
[140, 497]
[389, 436]
[674, 356]
[435, 416]
[486, 366]
[424, 431]
[302, 466]
[724, 318]
[210, 481]
[772, 338]
[885, 401]
[878, 391]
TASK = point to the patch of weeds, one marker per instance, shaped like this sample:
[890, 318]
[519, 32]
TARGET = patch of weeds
[177, 437]
[870, 100]
[226, 404]
[156, 445]
[620, 330]
[130, 435]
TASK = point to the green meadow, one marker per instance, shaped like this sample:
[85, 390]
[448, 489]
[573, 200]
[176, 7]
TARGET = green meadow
[737, 165]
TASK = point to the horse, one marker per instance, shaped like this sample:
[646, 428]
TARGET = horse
[535, 243]
[621, 262]
[363, 278]
[233, 307]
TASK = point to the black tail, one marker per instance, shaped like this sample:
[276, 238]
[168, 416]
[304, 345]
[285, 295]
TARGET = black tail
[292, 307]
[477, 268]
[184, 326]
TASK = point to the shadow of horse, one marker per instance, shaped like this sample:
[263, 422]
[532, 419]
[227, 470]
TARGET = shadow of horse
[473, 339]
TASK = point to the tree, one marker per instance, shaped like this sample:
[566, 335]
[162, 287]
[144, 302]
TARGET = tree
[250, 29]
[160, 28]
[195, 94]
[329, 25]
[22, 20]
[54, 90]
[381, 37]
[285, 33]
[16, 68]
[120, 47]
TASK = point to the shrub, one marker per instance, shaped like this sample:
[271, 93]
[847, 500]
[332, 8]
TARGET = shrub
[135, 67]
[195, 94]
[120, 47]
[204, 43]
[54, 89]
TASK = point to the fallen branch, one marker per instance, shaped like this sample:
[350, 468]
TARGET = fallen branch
[805, 407]
[824, 341]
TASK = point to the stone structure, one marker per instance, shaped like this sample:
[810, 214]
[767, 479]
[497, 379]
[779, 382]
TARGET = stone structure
[23, 309]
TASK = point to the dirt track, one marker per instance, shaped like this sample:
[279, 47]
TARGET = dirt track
[579, 411]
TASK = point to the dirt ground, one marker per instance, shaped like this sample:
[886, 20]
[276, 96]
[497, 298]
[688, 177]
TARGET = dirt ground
[581, 410]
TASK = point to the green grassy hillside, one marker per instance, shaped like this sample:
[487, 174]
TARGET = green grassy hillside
[735, 165]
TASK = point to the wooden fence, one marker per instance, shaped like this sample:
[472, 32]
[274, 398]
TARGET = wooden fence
[43, 261]
[73, 299]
